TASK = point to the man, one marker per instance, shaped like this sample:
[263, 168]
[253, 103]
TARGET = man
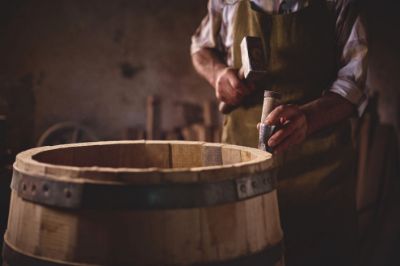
[316, 53]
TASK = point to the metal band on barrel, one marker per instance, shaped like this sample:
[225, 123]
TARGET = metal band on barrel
[84, 195]
[267, 257]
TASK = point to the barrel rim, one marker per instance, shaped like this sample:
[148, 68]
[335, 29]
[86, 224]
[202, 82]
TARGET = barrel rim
[26, 163]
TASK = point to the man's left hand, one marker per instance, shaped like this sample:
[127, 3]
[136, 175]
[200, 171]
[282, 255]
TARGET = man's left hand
[292, 127]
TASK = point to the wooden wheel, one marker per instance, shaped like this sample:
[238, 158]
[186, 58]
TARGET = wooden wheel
[65, 133]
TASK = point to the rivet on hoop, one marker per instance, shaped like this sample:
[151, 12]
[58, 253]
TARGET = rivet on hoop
[45, 189]
[67, 193]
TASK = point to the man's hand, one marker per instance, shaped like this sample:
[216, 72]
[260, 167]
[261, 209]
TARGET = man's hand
[292, 127]
[296, 123]
[226, 81]
[229, 88]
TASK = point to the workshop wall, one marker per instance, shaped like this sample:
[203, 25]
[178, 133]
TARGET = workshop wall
[94, 62]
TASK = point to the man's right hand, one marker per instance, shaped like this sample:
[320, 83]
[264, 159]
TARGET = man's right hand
[229, 88]
[227, 82]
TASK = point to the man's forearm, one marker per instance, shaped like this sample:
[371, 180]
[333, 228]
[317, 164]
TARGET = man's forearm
[208, 64]
[326, 111]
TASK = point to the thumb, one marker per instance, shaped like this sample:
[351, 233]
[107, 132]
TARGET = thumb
[241, 73]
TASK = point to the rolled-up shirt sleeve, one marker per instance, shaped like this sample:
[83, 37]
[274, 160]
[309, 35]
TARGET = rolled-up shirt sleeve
[207, 34]
[350, 82]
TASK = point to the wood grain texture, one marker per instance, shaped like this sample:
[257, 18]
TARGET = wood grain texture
[144, 237]
[153, 117]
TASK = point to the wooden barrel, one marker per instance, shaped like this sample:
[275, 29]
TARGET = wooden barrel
[143, 203]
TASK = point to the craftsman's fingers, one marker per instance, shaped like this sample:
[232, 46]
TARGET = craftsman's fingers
[224, 90]
[237, 84]
[282, 113]
[229, 88]
[290, 141]
[229, 95]
[292, 124]
[286, 130]
[241, 73]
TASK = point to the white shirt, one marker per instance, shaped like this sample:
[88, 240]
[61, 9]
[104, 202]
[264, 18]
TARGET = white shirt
[216, 32]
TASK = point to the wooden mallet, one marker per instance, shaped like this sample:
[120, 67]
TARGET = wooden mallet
[253, 65]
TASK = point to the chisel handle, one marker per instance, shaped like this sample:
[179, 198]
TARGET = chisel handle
[271, 100]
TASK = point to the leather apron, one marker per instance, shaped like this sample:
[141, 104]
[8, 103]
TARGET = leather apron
[317, 177]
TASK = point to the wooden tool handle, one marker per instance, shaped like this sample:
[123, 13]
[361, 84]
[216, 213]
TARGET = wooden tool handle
[271, 99]
[270, 102]
[226, 108]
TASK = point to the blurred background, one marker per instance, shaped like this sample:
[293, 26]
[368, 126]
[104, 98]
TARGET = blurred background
[95, 63]
[74, 71]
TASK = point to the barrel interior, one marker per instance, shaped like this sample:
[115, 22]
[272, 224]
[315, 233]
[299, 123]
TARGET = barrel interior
[118, 215]
[145, 155]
